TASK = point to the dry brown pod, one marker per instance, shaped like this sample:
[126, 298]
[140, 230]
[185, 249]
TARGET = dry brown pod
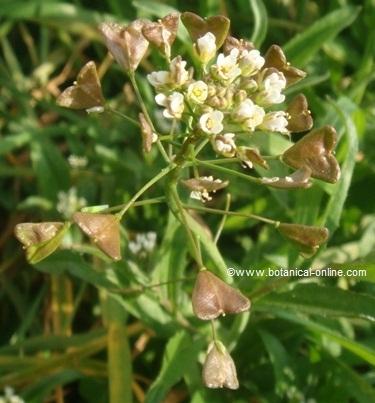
[219, 369]
[103, 229]
[85, 93]
[298, 179]
[300, 118]
[314, 151]
[203, 183]
[234, 43]
[162, 33]
[306, 237]
[126, 44]
[275, 58]
[250, 156]
[212, 297]
[198, 27]
[146, 132]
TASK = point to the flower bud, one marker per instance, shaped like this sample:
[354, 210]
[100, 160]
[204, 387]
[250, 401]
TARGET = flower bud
[240, 96]
[197, 92]
[212, 297]
[103, 229]
[314, 151]
[85, 93]
[307, 238]
[219, 369]
[206, 47]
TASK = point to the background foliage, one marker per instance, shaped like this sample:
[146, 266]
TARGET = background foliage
[307, 339]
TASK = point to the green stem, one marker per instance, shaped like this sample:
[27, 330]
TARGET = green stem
[147, 115]
[222, 221]
[155, 200]
[233, 213]
[126, 117]
[143, 189]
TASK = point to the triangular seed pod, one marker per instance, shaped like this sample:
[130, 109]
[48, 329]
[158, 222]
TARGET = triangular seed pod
[219, 369]
[300, 118]
[306, 237]
[40, 239]
[103, 229]
[198, 27]
[315, 151]
[85, 93]
[212, 297]
[275, 58]
[298, 179]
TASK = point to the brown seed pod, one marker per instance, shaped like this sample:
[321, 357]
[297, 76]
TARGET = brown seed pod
[85, 93]
[163, 33]
[146, 132]
[300, 118]
[219, 369]
[103, 229]
[250, 156]
[275, 57]
[234, 43]
[40, 239]
[33, 233]
[126, 44]
[202, 184]
[299, 179]
[198, 27]
[315, 152]
[307, 238]
[212, 297]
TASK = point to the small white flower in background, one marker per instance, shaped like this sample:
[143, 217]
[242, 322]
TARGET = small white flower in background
[211, 122]
[206, 47]
[272, 87]
[69, 202]
[178, 75]
[249, 114]
[250, 62]
[76, 161]
[10, 397]
[143, 243]
[198, 92]
[225, 145]
[174, 104]
[226, 67]
[159, 79]
[276, 122]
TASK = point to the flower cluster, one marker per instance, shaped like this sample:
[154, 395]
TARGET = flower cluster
[237, 91]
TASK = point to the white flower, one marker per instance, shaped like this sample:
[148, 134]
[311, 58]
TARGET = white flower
[174, 104]
[69, 202]
[159, 79]
[272, 86]
[198, 92]
[10, 396]
[276, 122]
[143, 243]
[178, 75]
[206, 47]
[226, 67]
[225, 145]
[249, 114]
[250, 62]
[211, 122]
[76, 161]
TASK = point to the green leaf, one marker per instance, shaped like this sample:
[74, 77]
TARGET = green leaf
[303, 47]
[333, 211]
[11, 142]
[180, 356]
[260, 22]
[324, 301]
